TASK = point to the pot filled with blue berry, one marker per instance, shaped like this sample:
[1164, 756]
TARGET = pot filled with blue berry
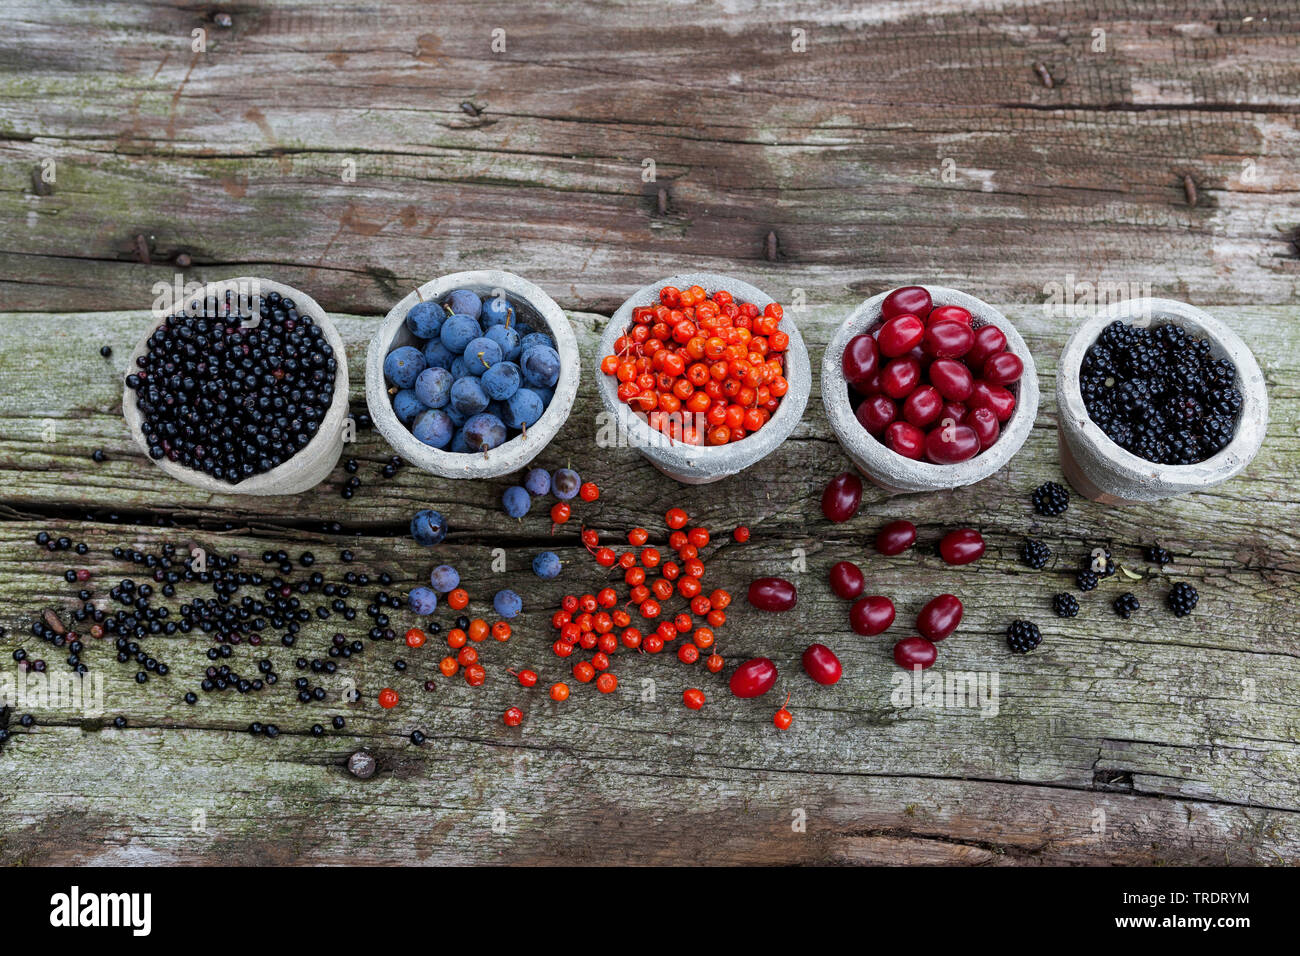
[1157, 398]
[472, 374]
[240, 387]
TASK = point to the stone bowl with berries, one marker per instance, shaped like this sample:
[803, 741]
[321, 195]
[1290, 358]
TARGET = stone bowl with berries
[1156, 398]
[929, 388]
[703, 374]
[472, 375]
[241, 390]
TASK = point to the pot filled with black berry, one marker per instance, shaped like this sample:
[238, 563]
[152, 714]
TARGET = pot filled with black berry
[1157, 398]
[241, 387]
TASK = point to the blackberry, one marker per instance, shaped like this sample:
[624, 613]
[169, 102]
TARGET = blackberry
[1183, 409]
[1050, 499]
[1086, 580]
[1157, 555]
[1065, 605]
[1126, 604]
[1034, 554]
[1182, 599]
[1172, 338]
[1100, 562]
[1023, 636]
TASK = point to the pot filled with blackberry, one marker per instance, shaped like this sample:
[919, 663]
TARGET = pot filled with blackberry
[241, 390]
[1157, 398]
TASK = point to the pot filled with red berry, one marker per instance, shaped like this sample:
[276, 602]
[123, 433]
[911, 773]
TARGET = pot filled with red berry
[240, 388]
[929, 388]
[1156, 398]
[703, 374]
[471, 375]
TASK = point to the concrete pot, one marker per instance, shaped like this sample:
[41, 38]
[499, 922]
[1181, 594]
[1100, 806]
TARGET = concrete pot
[539, 310]
[892, 471]
[1103, 471]
[701, 464]
[315, 461]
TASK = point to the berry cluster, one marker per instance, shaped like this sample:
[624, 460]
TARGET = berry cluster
[928, 384]
[696, 355]
[221, 395]
[476, 375]
[1160, 393]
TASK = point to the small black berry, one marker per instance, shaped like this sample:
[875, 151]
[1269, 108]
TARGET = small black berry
[1158, 555]
[1050, 499]
[1182, 599]
[1034, 554]
[1126, 604]
[1023, 636]
[1065, 605]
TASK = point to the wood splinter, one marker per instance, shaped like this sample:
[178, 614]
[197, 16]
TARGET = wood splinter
[1189, 189]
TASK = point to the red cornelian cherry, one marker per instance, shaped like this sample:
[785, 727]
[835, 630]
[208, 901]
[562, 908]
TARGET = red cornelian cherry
[948, 444]
[821, 664]
[527, 678]
[989, 340]
[961, 546]
[688, 653]
[905, 439]
[915, 652]
[900, 335]
[772, 594]
[871, 615]
[939, 617]
[909, 298]
[560, 512]
[896, 537]
[693, 698]
[948, 339]
[949, 313]
[842, 496]
[714, 662]
[1003, 368]
[952, 379]
[606, 683]
[923, 406]
[676, 518]
[559, 691]
[985, 425]
[388, 698]
[741, 534]
[754, 678]
[588, 491]
[900, 377]
[861, 360]
[876, 412]
[996, 398]
[513, 717]
[847, 580]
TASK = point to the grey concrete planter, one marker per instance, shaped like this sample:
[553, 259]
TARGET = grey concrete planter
[892, 471]
[1103, 471]
[315, 461]
[518, 451]
[701, 464]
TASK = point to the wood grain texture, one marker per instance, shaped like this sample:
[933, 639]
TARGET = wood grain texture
[1152, 740]
[906, 141]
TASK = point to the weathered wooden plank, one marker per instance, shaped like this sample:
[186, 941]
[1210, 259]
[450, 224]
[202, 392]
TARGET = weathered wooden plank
[901, 143]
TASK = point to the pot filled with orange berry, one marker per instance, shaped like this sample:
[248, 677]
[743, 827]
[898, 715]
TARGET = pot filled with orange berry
[703, 374]
[929, 388]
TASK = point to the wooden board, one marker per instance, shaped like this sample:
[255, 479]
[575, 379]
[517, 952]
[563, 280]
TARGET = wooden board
[905, 142]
